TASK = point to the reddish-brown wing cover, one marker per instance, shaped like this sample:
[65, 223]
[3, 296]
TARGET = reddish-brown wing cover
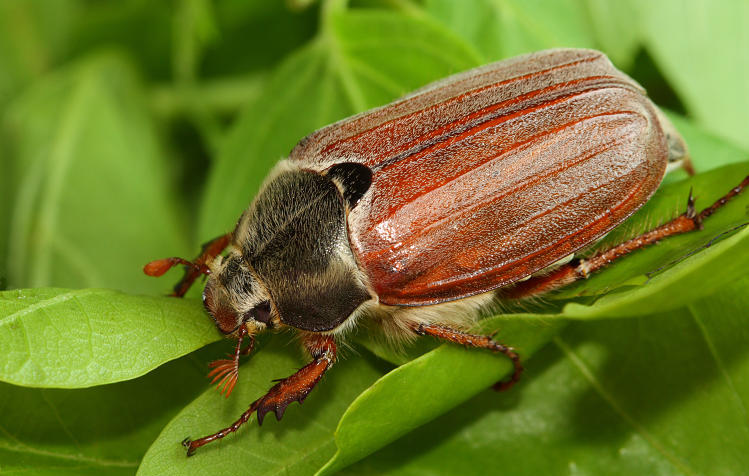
[490, 175]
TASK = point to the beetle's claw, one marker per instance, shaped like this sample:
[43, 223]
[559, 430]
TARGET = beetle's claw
[187, 443]
[691, 209]
[691, 212]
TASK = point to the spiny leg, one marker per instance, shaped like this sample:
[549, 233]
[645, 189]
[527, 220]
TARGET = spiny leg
[474, 340]
[582, 268]
[194, 268]
[293, 388]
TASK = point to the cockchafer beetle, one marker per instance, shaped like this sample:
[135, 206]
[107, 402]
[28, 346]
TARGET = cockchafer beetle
[418, 213]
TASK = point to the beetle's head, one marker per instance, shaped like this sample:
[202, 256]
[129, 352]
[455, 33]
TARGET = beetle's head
[234, 297]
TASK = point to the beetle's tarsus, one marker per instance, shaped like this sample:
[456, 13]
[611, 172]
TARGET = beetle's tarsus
[503, 385]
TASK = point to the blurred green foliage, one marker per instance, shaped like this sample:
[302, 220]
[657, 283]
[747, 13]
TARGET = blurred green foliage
[133, 130]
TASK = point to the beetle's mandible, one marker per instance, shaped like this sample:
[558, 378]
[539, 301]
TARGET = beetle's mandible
[418, 213]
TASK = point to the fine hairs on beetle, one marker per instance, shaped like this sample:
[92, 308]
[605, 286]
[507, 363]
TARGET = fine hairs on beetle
[414, 215]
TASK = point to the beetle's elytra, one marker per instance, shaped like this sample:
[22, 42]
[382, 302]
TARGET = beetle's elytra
[414, 214]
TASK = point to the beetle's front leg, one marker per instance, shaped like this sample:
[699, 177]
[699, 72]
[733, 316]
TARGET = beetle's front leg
[294, 388]
[473, 340]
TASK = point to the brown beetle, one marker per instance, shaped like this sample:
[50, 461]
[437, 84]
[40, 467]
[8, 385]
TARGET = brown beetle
[416, 213]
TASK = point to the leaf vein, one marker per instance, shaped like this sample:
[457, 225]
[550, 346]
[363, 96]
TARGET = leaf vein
[47, 303]
[21, 447]
[720, 364]
[611, 401]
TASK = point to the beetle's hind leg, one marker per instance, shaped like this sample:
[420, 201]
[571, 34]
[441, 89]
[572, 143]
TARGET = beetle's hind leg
[194, 269]
[294, 388]
[474, 340]
[582, 268]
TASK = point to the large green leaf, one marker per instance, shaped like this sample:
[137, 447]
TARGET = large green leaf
[34, 35]
[298, 445]
[97, 431]
[79, 338]
[663, 394]
[92, 201]
[703, 50]
[142, 29]
[256, 35]
[503, 28]
[360, 60]
[708, 151]
[616, 27]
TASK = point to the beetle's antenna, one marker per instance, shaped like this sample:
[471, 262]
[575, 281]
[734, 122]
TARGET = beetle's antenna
[194, 268]
[226, 371]
[158, 267]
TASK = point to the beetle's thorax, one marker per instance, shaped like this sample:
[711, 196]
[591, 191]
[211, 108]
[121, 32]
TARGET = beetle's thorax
[293, 243]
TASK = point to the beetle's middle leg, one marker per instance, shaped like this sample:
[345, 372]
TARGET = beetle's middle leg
[473, 340]
[582, 268]
[294, 388]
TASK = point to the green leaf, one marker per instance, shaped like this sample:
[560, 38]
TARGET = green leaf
[503, 28]
[430, 385]
[616, 27]
[701, 47]
[298, 445]
[79, 338]
[34, 35]
[360, 60]
[256, 35]
[663, 394]
[142, 29]
[92, 202]
[708, 151]
[103, 430]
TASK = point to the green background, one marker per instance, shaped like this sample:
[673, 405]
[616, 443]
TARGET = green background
[135, 130]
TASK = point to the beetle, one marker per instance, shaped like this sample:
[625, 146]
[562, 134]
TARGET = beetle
[417, 214]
